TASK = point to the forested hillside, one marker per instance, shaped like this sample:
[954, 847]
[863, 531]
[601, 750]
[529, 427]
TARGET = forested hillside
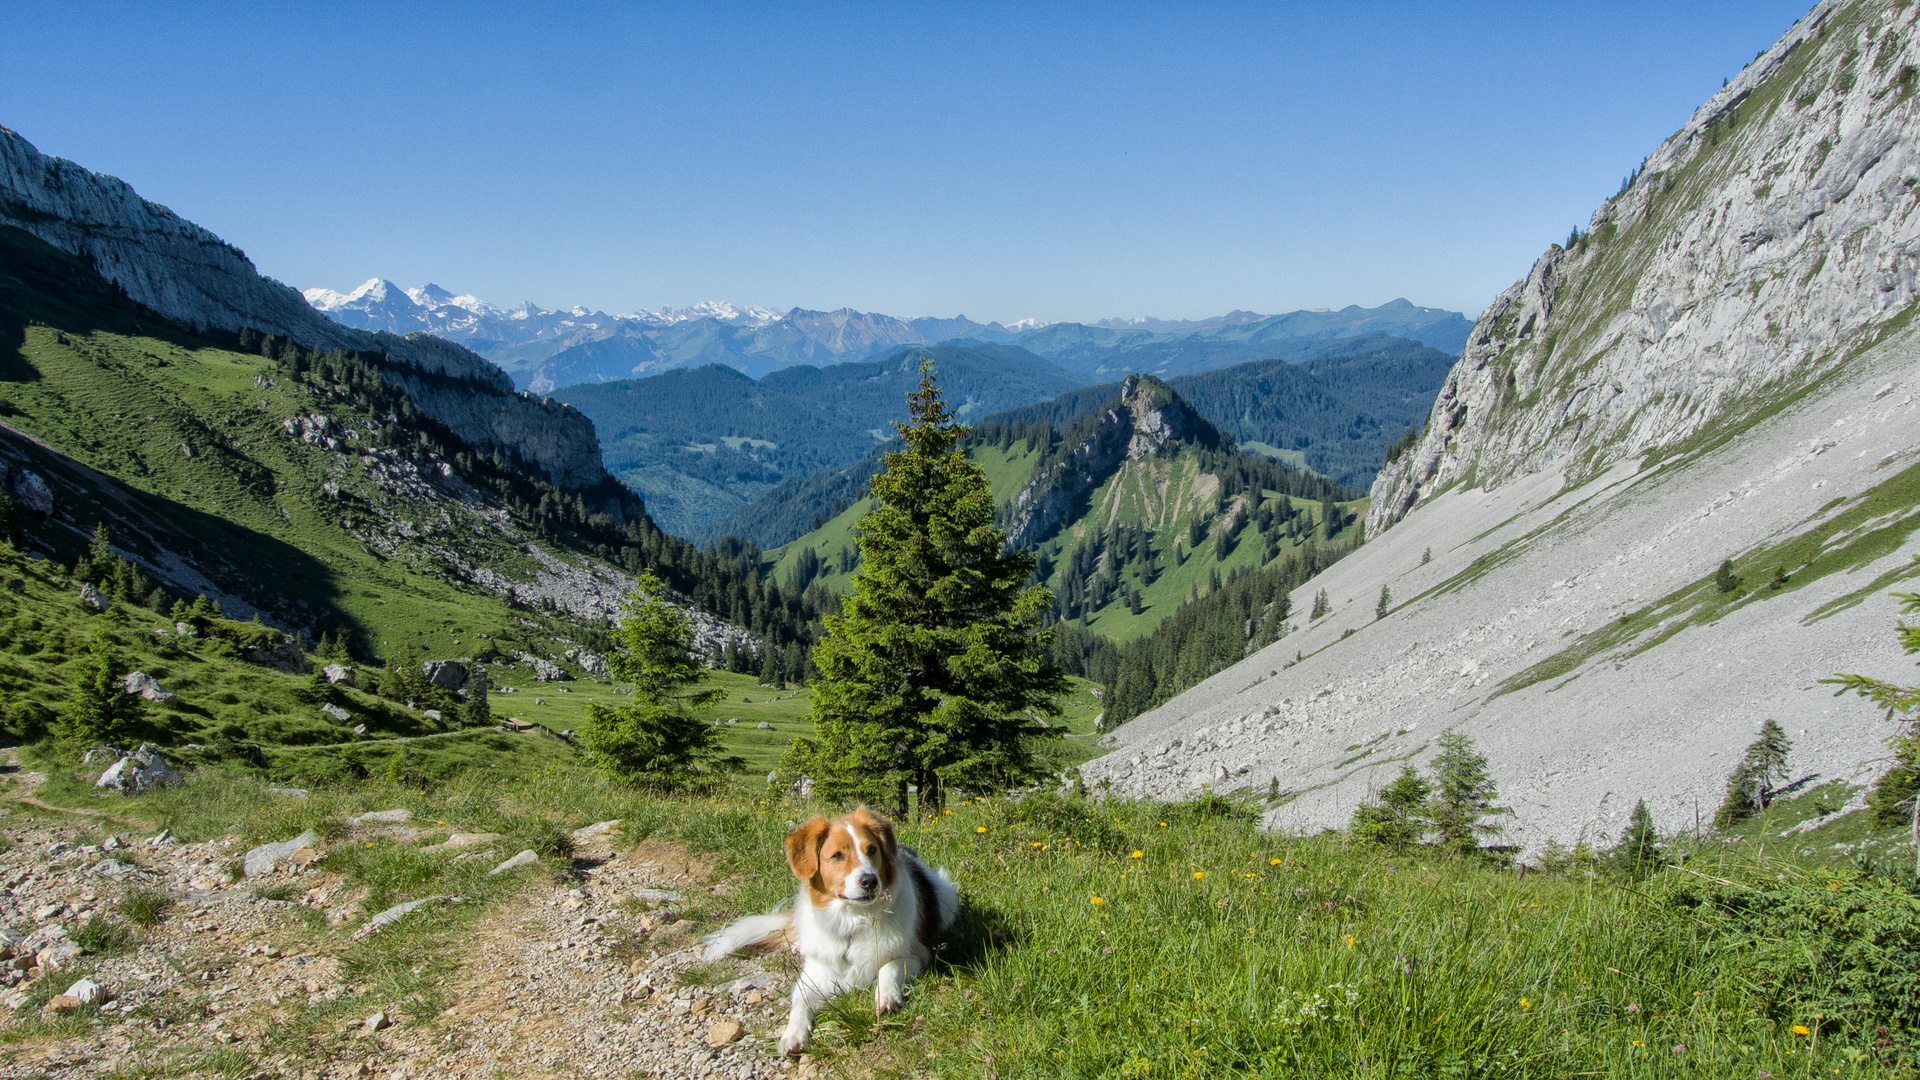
[701, 444]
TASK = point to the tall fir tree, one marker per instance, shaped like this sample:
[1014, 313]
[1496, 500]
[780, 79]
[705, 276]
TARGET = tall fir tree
[1750, 786]
[1397, 817]
[99, 709]
[936, 670]
[1463, 795]
[655, 740]
[1637, 855]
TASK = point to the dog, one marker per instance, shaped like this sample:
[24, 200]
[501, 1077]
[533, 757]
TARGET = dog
[868, 913]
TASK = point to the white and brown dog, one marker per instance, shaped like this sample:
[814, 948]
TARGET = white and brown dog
[869, 912]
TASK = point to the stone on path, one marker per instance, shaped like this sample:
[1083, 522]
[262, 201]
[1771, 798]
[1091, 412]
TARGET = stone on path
[525, 858]
[390, 916]
[381, 817]
[377, 1021]
[722, 1033]
[142, 770]
[88, 992]
[265, 858]
[595, 831]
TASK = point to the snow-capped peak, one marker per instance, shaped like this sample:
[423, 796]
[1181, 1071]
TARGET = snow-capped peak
[1024, 325]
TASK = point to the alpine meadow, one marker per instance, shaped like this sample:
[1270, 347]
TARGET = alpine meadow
[398, 684]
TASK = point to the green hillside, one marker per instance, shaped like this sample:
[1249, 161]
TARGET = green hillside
[1156, 534]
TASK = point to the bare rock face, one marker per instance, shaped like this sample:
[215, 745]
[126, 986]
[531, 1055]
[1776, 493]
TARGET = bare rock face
[29, 492]
[1143, 421]
[1759, 247]
[189, 275]
[445, 674]
[1723, 368]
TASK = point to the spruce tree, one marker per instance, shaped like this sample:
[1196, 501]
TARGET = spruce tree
[1750, 786]
[1397, 817]
[1899, 785]
[1463, 795]
[99, 709]
[1636, 856]
[476, 711]
[655, 740]
[936, 670]
[1321, 605]
[1386, 602]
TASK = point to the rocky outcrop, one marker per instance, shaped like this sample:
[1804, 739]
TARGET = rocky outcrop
[188, 275]
[1145, 420]
[1758, 248]
[1722, 369]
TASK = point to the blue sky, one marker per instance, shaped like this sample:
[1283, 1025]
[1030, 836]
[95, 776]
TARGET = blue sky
[1002, 161]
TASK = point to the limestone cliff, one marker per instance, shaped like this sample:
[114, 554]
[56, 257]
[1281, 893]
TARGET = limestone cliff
[190, 276]
[1756, 250]
[1144, 420]
[1721, 370]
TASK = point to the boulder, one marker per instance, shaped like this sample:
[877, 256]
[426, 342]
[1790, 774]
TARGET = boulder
[445, 674]
[285, 657]
[543, 670]
[265, 858]
[93, 599]
[463, 840]
[142, 770]
[763, 726]
[336, 712]
[359, 729]
[434, 715]
[592, 662]
[30, 492]
[381, 817]
[139, 682]
[184, 629]
[338, 674]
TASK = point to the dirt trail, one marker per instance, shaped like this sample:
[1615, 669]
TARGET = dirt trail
[573, 977]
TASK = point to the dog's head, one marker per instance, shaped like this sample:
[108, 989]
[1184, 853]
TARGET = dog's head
[852, 858]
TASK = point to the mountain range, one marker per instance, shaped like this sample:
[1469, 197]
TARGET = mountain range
[546, 350]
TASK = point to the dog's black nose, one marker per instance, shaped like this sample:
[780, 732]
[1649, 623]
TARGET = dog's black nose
[868, 880]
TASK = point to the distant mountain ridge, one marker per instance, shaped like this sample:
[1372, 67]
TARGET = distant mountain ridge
[546, 350]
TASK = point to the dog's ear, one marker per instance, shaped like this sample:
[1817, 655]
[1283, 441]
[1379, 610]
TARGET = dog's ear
[803, 848]
[882, 828]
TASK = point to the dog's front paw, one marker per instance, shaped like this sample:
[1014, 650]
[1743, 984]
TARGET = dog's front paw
[886, 999]
[793, 1040]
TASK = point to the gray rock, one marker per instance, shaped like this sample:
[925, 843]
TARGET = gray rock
[763, 726]
[461, 840]
[359, 729]
[267, 857]
[30, 492]
[145, 685]
[112, 868]
[595, 831]
[88, 992]
[543, 670]
[381, 817]
[102, 753]
[390, 916]
[525, 858]
[93, 598]
[434, 715]
[289, 792]
[184, 629]
[378, 1021]
[336, 712]
[338, 674]
[656, 896]
[285, 657]
[142, 770]
[445, 674]
[164, 838]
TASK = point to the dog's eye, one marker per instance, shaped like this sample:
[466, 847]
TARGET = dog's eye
[872, 849]
[839, 856]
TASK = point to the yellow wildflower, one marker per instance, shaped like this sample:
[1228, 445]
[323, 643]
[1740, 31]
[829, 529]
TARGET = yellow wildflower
[979, 828]
[1801, 1029]
[1138, 855]
[1525, 1004]
[1349, 939]
[1275, 862]
[1096, 901]
[1197, 874]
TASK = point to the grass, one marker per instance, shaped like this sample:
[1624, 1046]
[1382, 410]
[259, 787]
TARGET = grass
[1213, 949]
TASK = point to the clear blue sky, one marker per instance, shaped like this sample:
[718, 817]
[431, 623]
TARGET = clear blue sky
[1003, 161]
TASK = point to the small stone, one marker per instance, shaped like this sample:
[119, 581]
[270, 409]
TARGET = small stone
[464, 840]
[763, 726]
[377, 1022]
[62, 1004]
[163, 838]
[338, 674]
[595, 831]
[289, 792]
[47, 911]
[359, 729]
[337, 712]
[88, 992]
[434, 715]
[390, 916]
[263, 859]
[525, 858]
[381, 817]
[111, 843]
[723, 1033]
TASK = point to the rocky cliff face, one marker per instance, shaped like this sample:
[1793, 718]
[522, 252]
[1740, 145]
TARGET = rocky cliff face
[1758, 249]
[1723, 368]
[1141, 422]
[187, 274]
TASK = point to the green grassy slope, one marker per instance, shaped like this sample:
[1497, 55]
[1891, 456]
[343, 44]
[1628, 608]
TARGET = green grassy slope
[1159, 497]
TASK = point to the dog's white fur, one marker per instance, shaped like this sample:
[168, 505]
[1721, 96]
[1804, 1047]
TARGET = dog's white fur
[872, 937]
